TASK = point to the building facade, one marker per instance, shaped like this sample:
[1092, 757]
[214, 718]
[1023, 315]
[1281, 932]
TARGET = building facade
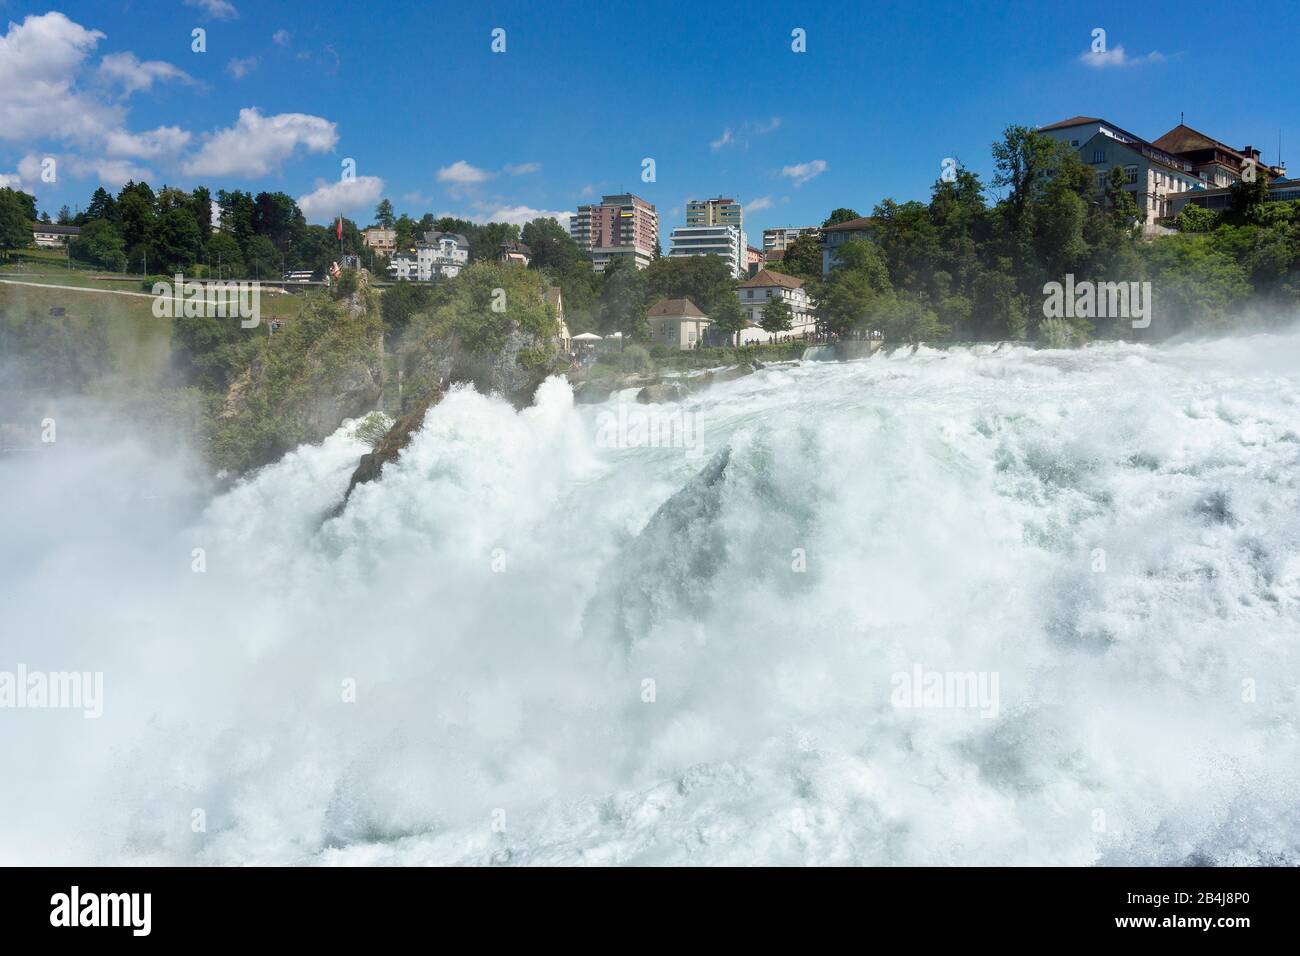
[379, 239]
[619, 226]
[517, 252]
[780, 238]
[1183, 160]
[832, 237]
[47, 235]
[677, 323]
[723, 241]
[763, 288]
[436, 255]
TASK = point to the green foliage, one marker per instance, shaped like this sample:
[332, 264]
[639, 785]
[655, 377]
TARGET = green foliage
[803, 259]
[705, 280]
[15, 225]
[728, 319]
[623, 298]
[776, 317]
[840, 215]
[100, 245]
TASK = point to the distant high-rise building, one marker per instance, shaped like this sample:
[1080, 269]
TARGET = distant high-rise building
[724, 241]
[721, 211]
[618, 226]
[715, 212]
[780, 238]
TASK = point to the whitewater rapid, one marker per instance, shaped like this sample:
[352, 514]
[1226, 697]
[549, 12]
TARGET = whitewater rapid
[525, 646]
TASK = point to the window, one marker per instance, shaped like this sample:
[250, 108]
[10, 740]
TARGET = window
[1098, 155]
[1130, 174]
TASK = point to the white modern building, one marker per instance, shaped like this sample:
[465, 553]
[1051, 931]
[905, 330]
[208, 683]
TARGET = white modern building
[47, 235]
[725, 241]
[437, 254]
[762, 289]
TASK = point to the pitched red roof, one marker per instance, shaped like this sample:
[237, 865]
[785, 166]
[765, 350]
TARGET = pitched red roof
[1072, 121]
[675, 308]
[766, 277]
[853, 225]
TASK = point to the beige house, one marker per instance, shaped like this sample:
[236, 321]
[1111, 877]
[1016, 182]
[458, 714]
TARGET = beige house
[677, 323]
[380, 239]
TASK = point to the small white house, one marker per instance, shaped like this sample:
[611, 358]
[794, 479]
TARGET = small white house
[757, 292]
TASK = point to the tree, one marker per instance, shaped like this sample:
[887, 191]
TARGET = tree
[201, 206]
[262, 259]
[65, 216]
[15, 225]
[840, 215]
[776, 316]
[136, 214]
[384, 214]
[100, 245]
[223, 256]
[803, 258]
[705, 280]
[623, 300]
[102, 206]
[553, 248]
[177, 241]
[728, 319]
[1246, 203]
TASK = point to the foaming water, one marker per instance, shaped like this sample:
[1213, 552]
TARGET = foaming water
[524, 646]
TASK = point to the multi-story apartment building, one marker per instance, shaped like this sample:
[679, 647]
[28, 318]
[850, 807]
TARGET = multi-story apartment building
[780, 238]
[437, 254]
[380, 239]
[724, 241]
[1182, 160]
[618, 226]
[721, 211]
[715, 212]
[1220, 200]
[763, 288]
[754, 259]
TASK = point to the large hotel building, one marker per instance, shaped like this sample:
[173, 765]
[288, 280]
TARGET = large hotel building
[618, 226]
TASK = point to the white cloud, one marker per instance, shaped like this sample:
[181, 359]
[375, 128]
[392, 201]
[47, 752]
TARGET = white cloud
[216, 9]
[762, 202]
[11, 181]
[281, 37]
[462, 173]
[240, 67]
[1117, 57]
[742, 135]
[134, 75]
[346, 195]
[588, 191]
[257, 144]
[802, 172]
[165, 141]
[521, 215]
[40, 59]
[523, 168]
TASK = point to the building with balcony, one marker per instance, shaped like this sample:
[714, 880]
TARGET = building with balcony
[381, 240]
[1183, 160]
[724, 241]
[780, 238]
[435, 255]
[619, 226]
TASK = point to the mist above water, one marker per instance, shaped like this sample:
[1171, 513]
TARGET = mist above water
[1114, 532]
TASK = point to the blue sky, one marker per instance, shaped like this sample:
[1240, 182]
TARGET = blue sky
[585, 91]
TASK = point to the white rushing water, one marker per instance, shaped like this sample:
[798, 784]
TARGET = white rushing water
[1110, 535]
